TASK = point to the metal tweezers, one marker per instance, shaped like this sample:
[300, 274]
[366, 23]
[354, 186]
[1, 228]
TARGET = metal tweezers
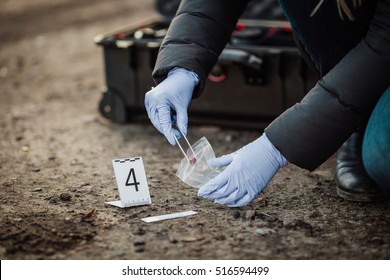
[191, 161]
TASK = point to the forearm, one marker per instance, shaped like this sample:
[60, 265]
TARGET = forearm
[197, 36]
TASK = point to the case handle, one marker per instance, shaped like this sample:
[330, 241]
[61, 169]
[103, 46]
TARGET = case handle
[251, 64]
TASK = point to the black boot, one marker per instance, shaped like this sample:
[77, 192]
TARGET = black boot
[353, 182]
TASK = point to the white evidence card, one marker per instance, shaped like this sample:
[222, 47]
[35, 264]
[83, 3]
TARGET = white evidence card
[131, 181]
[169, 216]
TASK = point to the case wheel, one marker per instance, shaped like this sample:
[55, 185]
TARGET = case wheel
[113, 106]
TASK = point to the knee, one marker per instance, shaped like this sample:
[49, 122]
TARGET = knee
[376, 143]
[376, 160]
[378, 172]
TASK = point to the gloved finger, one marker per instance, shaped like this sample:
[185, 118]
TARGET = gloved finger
[220, 193]
[153, 116]
[220, 161]
[174, 126]
[182, 121]
[147, 100]
[164, 116]
[214, 184]
[241, 201]
[177, 134]
[152, 112]
[220, 190]
[233, 197]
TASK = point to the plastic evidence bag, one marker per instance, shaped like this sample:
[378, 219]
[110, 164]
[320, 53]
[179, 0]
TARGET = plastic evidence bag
[199, 173]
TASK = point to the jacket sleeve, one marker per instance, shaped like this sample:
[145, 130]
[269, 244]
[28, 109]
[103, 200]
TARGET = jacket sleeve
[196, 37]
[311, 131]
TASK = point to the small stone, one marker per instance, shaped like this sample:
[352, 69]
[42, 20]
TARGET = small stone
[229, 138]
[65, 196]
[236, 214]
[139, 243]
[36, 169]
[315, 214]
[162, 234]
[267, 217]
[26, 149]
[90, 216]
[250, 215]
[8, 184]
[264, 231]
[139, 249]
[139, 246]
[53, 199]
[377, 240]
[191, 238]
[37, 190]
[50, 251]
[289, 223]
[139, 231]
[155, 181]
[220, 237]
[173, 240]
[262, 201]
[82, 184]
[75, 162]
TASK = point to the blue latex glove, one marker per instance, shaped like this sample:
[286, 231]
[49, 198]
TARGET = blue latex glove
[248, 171]
[172, 94]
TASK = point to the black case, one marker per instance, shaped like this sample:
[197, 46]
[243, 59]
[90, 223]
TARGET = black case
[259, 74]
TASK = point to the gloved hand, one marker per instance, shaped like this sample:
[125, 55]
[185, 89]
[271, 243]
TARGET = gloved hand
[248, 171]
[174, 93]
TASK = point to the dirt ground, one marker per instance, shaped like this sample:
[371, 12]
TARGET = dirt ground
[56, 172]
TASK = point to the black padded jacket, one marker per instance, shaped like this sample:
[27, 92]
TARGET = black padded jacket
[311, 131]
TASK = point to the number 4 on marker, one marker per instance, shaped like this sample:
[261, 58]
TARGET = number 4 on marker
[134, 181]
